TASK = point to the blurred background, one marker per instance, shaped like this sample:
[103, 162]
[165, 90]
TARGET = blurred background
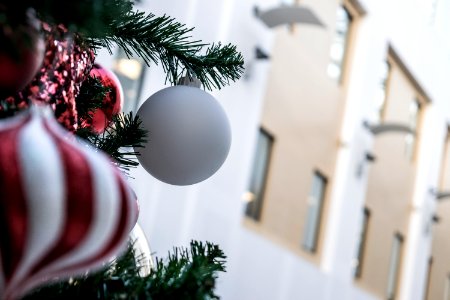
[337, 181]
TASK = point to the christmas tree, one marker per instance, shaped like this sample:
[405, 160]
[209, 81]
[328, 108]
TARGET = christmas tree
[66, 211]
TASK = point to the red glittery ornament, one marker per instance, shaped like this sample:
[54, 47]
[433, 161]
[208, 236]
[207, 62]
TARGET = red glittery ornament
[22, 49]
[66, 65]
[113, 101]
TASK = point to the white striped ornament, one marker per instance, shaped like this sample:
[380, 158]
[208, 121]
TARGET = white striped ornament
[64, 208]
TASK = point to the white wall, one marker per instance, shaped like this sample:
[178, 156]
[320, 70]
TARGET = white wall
[213, 210]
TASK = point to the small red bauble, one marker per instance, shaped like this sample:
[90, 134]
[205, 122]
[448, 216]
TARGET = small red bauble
[99, 121]
[112, 103]
[22, 50]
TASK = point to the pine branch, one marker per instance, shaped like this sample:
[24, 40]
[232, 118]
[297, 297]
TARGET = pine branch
[163, 40]
[218, 66]
[86, 17]
[158, 40]
[90, 97]
[187, 274]
[118, 140]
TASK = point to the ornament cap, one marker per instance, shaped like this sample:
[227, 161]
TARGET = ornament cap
[190, 80]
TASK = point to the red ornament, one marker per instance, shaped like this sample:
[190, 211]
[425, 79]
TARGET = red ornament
[66, 65]
[112, 103]
[64, 208]
[22, 49]
[99, 121]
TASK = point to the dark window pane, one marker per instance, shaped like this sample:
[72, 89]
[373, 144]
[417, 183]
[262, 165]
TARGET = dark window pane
[410, 139]
[394, 266]
[254, 196]
[339, 44]
[362, 243]
[381, 92]
[315, 204]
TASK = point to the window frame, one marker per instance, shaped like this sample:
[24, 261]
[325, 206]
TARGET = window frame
[411, 147]
[343, 63]
[362, 242]
[381, 110]
[392, 286]
[447, 287]
[253, 209]
[312, 246]
[420, 96]
[428, 278]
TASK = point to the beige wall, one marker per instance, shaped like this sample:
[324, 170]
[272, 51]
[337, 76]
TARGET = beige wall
[440, 251]
[303, 111]
[390, 185]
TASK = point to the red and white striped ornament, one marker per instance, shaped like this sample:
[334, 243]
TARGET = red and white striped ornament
[64, 208]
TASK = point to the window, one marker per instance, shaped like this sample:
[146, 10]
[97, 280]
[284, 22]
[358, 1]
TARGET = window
[130, 72]
[410, 139]
[339, 43]
[381, 92]
[254, 196]
[314, 212]
[428, 280]
[447, 288]
[394, 266]
[445, 162]
[362, 243]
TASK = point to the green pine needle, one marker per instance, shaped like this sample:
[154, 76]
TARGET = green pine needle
[119, 139]
[186, 274]
[159, 40]
[165, 41]
[90, 97]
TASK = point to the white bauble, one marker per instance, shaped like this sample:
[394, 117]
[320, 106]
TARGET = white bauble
[189, 135]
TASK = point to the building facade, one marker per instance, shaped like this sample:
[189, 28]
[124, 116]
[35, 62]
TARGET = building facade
[338, 174]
